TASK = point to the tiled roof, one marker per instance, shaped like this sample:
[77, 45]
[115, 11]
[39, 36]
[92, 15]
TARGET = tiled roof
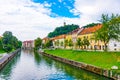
[90, 29]
[75, 31]
[60, 37]
[46, 38]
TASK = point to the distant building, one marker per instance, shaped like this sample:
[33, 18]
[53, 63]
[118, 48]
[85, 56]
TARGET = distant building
[29, 44]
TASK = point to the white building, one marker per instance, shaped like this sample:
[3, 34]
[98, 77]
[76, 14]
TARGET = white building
[114, 45]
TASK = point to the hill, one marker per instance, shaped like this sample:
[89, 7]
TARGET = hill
[62, 30]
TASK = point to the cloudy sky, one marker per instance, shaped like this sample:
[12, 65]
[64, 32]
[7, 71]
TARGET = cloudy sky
[29, 19]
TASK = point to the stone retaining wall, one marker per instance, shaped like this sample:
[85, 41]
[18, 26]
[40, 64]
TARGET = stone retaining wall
[4, 60]
[91, 68]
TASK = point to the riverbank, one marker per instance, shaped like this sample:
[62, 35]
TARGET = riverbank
[6, 58]
[101, 60]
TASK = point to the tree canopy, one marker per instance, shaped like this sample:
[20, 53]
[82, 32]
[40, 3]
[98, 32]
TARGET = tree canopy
[38, 43]
[110, 29]
[90, 25]
[62, 30]
[10, 42]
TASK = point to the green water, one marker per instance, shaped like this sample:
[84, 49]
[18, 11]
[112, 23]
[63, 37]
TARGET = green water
[28, 65]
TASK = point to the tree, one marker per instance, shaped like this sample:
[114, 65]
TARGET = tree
[10, 42]
[57, 42]
[66, 43]
[49, 44]
[79, 42]
[7, 41]
[61, 43]
[70, 43]
[86, 42]
[110, 29]
[62, 30]
[1, 46]
[91, 25]
[38, 43]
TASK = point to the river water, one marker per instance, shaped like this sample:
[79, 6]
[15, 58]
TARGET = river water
[28, 65]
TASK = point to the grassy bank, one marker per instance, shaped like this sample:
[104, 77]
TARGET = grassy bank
[101, 59]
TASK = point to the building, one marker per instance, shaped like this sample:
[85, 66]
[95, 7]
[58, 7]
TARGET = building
[88, 33]
[114, 45]
[74, 35]
[29, 44]
[59, 41]
[44, 40]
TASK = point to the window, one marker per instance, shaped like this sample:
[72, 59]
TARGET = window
[115, 45]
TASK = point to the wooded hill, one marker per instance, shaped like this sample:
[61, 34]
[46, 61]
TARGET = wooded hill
[62, 30]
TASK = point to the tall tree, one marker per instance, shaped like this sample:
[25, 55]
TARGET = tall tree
[7, 41]
[66, 43]
[79, 42]
[10, 42]
[110, 29]
[86, 42]
[70, 43]
[38, 43]
[49, 44]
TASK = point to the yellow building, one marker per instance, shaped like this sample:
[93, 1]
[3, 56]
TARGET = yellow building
[67, 39]
[59, 41]
[89, 34]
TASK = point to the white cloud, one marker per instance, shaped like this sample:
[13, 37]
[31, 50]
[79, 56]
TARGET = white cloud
[28, 20]
[92, 10]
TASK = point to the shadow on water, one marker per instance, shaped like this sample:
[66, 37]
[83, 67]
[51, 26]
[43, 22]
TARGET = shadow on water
[29, 65]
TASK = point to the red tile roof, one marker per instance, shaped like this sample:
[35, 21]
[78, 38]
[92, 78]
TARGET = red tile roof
[90, 29]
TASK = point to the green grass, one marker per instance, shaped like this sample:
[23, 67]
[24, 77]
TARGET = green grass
[100, 59]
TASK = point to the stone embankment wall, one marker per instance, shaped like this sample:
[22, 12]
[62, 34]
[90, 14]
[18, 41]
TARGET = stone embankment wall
[91, 68]
[4, 60]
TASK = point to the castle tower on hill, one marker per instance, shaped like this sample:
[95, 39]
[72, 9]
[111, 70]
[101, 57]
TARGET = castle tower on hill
[64, 24]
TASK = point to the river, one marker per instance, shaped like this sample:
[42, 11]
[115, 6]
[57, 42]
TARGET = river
[28, 65]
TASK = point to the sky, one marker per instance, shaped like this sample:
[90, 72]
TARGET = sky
[29, 19]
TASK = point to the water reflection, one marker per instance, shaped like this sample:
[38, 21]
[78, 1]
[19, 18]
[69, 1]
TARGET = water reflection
[30, 65]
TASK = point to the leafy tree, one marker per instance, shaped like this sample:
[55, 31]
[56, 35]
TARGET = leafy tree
[110, 29]
[1, 46]
[91, 25]
[38, 43]
[49, 43]
[86, 42]
[79, 42]
[63, 30]
[61, 43]
[70, 43]
[9, 42]
[66, 43]
[57, 42]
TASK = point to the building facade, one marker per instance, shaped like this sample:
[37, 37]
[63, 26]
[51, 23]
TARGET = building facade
[29, 44]
[59, 41]
[114, 45]
[88, 33]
